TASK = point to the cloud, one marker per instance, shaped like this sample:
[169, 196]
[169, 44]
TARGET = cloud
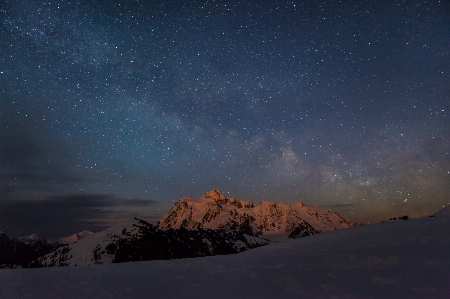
[62, 215]
[27, 170]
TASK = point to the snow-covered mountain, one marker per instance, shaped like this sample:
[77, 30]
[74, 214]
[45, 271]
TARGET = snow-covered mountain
[144, 241]
[19, 252]
[214, 210]
[32, 239]
[211, 225]
[75, 237]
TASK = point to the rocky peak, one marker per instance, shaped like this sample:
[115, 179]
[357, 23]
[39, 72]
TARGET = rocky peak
[75, 237]
[215, 195]
[216, 211]
[34, 238]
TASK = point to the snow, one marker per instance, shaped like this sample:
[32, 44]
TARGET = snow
[444, 212]
[31, 239]
[395, 259]
[82, 250]
[214, 210]
[75, 237]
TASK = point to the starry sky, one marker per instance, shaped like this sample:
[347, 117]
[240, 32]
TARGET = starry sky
[116, 109]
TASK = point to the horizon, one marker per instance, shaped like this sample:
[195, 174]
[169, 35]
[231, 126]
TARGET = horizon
[155, 218]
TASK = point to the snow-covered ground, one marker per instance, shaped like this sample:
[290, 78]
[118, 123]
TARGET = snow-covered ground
[395, 259]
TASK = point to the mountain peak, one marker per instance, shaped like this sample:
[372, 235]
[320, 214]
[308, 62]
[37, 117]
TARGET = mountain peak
[33, 237]
[213, 210]
[75, 237]
[214, 194]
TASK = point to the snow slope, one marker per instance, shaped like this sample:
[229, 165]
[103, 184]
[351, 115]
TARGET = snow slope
[75, 237]
[395, 259]
[81, 251]
[141, 241]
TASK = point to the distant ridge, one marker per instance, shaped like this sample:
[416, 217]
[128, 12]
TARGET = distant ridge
[20, 252]
[75, 237]
[213, 224]
[213, 210]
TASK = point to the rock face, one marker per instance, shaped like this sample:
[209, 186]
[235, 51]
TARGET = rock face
[216, 211]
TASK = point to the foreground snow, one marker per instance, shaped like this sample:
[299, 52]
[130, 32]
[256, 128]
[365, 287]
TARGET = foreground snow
[395, 259]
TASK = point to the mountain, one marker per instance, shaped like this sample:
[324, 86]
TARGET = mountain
[216, 211]
[211, 225]
[75, 237]
[20, 252]
[144, 241]
[32, 239]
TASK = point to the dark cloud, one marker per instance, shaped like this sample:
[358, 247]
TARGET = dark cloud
[88, 201]
[27, 169]
[58, 216]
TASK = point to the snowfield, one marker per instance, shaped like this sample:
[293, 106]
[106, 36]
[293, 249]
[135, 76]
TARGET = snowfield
[395, 259]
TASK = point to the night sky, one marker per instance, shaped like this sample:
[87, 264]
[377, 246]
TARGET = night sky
[116, 109]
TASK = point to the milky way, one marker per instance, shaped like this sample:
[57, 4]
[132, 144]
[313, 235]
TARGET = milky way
[137, 103]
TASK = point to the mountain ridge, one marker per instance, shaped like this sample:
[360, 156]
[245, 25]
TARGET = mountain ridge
[213, 210]
[75, 237]
[212, 224]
